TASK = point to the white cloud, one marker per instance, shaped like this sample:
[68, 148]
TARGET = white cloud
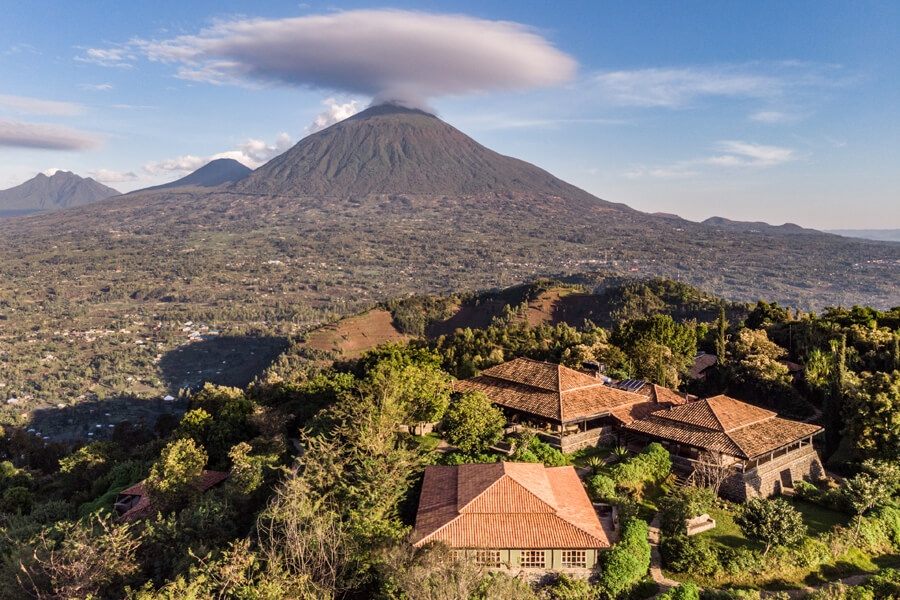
[373, 52]
[108, 57]
[253, 153]
[747, 154]
[770, 116]
[335, 113]
[97, 87]
[35, 106]
[18, 134]
[107, 176]
[684, 86]
[736, 154]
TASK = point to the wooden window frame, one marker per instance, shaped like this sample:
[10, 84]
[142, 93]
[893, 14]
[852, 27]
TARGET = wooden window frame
[533, 559]
[487, 558]
[574, 559]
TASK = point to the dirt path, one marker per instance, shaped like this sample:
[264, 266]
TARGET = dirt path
[665, 584]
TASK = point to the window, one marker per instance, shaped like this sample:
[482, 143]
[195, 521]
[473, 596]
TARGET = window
[488, 558]
[533, 559]
[574, 559]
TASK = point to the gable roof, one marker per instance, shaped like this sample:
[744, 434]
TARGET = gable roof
[702, 362]
[507, 505]
[723, 424]
[143, 508]
[547, 390]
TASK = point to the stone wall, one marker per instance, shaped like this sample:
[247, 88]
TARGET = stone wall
[576, 441]
[765, 480]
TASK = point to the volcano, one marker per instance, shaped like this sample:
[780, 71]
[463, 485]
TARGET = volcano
[394, 201]
[390, 149]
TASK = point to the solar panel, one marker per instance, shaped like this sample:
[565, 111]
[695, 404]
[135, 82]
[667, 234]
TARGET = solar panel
[630, 385]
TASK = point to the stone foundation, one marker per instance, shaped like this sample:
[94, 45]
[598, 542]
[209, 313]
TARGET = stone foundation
[773, 477]
[576, 441]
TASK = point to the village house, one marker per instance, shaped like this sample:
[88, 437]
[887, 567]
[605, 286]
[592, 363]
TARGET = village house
[569, 409]
[519, 516]
[750, 450]
[132, 503]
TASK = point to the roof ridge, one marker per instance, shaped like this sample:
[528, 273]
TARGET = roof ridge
[460, 509]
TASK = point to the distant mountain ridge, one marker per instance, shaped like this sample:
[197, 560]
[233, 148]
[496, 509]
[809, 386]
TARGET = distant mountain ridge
[212, 174]
[394, 201]
[884, 235]
[63, 189]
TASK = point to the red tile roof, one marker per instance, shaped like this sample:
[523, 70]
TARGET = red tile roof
[547, 390]
[143, 507]
[723, 424]
[507, 505]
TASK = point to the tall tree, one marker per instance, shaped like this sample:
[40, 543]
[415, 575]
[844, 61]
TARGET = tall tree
[721, 326]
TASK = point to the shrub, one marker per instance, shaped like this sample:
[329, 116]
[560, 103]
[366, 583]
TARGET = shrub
[650, 466]
[686, 503]
[685, 554]
[685, 591]
[570, 588]
[736, 561]
[601, 488]
[625, 563]
[804, 490]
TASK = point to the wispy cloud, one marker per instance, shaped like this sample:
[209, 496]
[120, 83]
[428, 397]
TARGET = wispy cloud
[107, 176]
[683, 87]
[394, 54]
[18, 134]
[96, 87]
[732, 154]
[36, 106]
[120, 56]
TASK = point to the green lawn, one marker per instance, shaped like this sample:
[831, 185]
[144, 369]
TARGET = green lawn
[427, 442]
[819, 519]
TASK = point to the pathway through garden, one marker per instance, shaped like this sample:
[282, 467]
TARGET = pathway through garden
[665, 584]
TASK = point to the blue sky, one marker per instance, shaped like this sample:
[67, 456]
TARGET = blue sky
[773, 111]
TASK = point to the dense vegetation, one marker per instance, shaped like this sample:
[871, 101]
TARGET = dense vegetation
[323, 481]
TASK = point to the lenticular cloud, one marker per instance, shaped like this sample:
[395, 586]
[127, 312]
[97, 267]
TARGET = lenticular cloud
[384, 53]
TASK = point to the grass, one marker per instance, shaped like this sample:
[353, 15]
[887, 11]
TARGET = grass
[427, 442]
[818, 519]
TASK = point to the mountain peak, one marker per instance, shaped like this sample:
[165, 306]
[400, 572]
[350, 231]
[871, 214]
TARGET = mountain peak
[392, 150]
[389, 109]
[60, 190]
[212, 174]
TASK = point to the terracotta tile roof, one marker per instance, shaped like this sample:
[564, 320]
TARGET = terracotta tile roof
[639, 411]
[143, 507]
[547, 390]
[723, 424]
[507, 505]
[702, 362]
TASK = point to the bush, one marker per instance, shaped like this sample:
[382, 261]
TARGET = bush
[686, 503]
[685, 591]
[601, 488]
[736, 561]
[570, 588]
[804, 490]
[633, 475]
[625, 564]
[880, 531]
[685, 554]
